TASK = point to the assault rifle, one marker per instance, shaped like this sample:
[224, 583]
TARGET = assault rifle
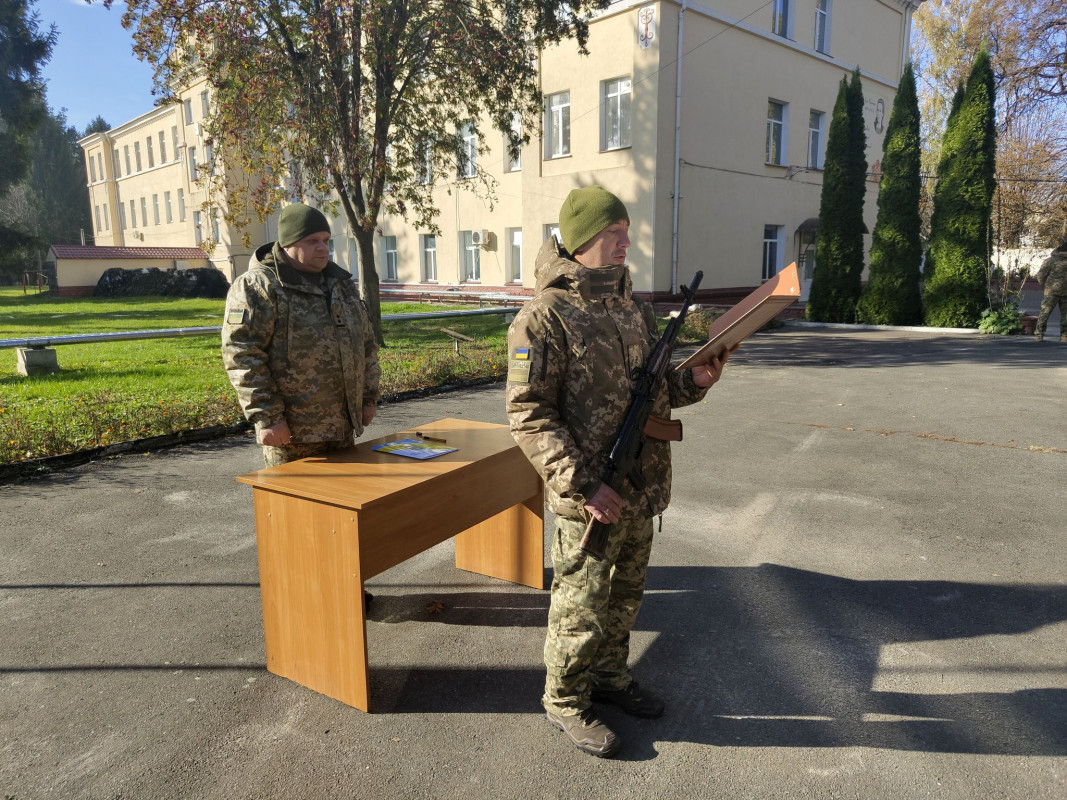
[624, 463]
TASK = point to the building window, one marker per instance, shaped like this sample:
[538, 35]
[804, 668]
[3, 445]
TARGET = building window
[472, 258]
[204, 105]
[558, 125]
[816, 120]
[92, 170]
[552, 229]
[122, 217]
[424, 164]
[166, 208]
[429, 257]
[353, 258]
[467, 160]
[513, 237]
[513, 161]
[107, 220]
[776, 127]
[162, 148]
[330, 243]
[99, 226]
[772, 250]
[389, 259]
[615, 120]
[126, 153]
[216, 233]
[192, 165]
[137, 155]
[181, 205]
[822, 25]
[209, 156]
[174, 139]
[198, 233]
[155, 208]
[133, 214]
[187, 104]
[782, 18]
[100, 165]
[148, 152]
[144, 212]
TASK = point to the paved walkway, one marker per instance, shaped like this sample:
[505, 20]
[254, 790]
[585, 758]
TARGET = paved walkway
[859, 591]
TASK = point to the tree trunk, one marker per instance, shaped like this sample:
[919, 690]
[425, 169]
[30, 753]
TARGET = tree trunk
[369, 278]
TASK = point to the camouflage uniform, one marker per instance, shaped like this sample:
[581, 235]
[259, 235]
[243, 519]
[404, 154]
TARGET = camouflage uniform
[301, 352]
[1053, 276]
[572, 350]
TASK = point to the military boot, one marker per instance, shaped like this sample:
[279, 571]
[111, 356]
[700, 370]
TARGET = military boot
[633, 700]
[588, 733]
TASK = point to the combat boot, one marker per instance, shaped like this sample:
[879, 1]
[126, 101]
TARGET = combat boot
[1039, 336]
[588, 733]
[633, 700]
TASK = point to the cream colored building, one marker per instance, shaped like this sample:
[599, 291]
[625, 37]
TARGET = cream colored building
[708, 120]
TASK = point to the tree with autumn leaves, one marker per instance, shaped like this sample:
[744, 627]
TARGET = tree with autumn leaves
[356, 104]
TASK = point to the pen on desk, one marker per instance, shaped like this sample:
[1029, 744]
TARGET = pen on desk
[422, 435]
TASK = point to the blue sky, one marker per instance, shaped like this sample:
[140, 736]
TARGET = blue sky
[93, 69]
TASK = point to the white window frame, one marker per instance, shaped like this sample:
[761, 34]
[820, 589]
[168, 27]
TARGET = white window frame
[471, 258]
[616, 97]
[823, 16]
[198, 232]
[174, 140]
[122, 216]
[144, 212]
[149, 153]
[424, 164]
[205, 104]
[558, 125]
[167, 208]
[155, 208]
[513, 164]
[133, 213]
[92, 170]
[782, 13]
[429, 257]
[99, 226]
[552, 229]
[773, 250]
[389, 258]
[513, 238]
[107, 219]
[116, 163]
[181, 205]
[777, 129]
[162, 147]
[187, 106]
[193, 177]
[467, 161]
[816, 138]
[216, 232]
[126, 154]
[137, 155]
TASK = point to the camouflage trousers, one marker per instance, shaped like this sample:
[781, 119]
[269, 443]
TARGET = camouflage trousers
[1049, 302]
[273, 456]
[594, 605]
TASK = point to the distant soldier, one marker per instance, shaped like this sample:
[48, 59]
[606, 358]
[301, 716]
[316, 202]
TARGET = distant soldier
[298, 344]
[571, 351]
[1053, 276]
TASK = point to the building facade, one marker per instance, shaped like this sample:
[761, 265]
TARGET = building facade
[708, 120]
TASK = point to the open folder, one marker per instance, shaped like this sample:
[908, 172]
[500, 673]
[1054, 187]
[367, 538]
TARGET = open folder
[748, 316]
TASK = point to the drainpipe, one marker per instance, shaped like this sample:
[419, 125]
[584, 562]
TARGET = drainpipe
[677, 149]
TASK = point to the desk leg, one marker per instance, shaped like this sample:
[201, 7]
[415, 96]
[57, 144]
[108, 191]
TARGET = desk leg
[314, 622]
[509, 546]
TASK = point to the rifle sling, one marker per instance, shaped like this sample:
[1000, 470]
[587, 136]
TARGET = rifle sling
[667, 430]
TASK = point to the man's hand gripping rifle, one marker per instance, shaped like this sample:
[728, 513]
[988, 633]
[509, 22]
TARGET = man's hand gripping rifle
[624, 463]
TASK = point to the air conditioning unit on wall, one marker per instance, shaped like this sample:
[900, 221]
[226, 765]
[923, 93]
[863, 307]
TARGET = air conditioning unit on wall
[480, 238]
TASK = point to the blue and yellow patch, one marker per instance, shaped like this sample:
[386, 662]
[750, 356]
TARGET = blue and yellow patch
[519, 366]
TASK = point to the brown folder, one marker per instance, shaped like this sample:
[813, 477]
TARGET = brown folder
[748, 316]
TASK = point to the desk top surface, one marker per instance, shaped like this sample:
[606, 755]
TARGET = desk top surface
[358, 475]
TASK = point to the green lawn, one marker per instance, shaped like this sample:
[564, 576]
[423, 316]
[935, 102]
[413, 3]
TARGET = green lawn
[115, 391]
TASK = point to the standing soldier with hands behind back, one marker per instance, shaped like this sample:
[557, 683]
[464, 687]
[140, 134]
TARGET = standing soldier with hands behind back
[1053, 279]
[572, 350]
[298, 344]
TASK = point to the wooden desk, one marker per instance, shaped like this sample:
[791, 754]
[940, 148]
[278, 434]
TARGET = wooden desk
[325, 525]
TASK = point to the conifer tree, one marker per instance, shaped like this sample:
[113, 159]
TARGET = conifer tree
[955, 288]
[835, 287]
[892, 295]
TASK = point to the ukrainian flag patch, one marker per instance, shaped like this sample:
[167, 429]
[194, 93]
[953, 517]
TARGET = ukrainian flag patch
[519, 366]
[235, 316]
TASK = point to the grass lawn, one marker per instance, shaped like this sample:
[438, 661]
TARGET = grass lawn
[115, 391]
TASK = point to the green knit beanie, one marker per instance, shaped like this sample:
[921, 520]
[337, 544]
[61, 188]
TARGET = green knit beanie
[298, 221]
[586, 212]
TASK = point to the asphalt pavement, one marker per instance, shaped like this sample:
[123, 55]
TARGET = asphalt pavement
[858, 591]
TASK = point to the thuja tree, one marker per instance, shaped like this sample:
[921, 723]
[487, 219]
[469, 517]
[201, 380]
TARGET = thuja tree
[955, 276]
[356, 102]
[892, 295]
[835, 286]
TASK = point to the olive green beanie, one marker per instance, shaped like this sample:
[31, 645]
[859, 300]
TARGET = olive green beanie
[586, 212]
[297, 221]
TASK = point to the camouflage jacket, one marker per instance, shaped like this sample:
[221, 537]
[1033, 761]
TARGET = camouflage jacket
[571, 351]
[300, 352]
[1053, 274]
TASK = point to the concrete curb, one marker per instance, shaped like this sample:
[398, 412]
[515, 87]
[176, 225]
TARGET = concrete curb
[857, 327]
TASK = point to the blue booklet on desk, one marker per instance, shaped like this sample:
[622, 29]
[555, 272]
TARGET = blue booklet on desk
[415, 448]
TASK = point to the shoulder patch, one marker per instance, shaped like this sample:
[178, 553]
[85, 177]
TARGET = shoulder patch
[236, 316]
[519, 366]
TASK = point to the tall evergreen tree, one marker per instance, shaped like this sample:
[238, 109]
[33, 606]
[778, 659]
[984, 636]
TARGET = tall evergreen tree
[23, 49]
[955, 290]
[836, 287]
[892, 296]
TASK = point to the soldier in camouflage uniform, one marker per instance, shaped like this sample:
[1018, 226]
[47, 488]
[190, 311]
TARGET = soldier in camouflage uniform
[298, 344]
[1053, 277]
[572, 349]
